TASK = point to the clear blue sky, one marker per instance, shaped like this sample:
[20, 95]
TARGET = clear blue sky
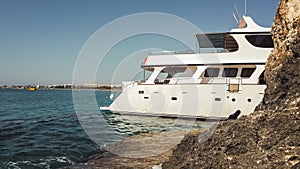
[40, 40]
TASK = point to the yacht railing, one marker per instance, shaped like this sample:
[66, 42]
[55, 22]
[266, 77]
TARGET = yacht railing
[204, 50]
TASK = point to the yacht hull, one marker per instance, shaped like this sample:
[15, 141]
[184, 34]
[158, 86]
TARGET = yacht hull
[204, 101]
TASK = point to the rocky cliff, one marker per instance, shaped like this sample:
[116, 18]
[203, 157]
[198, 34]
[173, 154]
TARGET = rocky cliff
[282, 68]
[269, 137]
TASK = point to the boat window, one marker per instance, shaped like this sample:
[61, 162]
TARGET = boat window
[185, 71]
[211, 72]
[147, 74]
[263, 41]
[230, 72]
[161, 77]
[247, 72]
[261, 78]
[174, 72]
[221, 42]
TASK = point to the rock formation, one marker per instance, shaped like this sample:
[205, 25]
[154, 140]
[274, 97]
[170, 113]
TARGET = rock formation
[269, 137]
[282, 68]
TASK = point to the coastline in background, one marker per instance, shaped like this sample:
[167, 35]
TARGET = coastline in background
[102, 87]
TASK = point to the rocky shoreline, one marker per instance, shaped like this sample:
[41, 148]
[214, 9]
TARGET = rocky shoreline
[267, 138]
[262, 140]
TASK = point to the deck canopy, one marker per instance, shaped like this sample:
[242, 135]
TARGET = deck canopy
[220, 41]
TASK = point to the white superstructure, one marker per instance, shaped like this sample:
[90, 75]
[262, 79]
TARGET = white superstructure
[225, 77]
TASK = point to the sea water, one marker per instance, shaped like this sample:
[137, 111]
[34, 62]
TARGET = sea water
[41, 129]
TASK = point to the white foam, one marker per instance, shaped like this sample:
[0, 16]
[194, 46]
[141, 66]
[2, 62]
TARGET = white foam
[42, 162]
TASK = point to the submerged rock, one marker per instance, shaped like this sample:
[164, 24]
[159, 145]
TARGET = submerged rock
[141, 151]
[269, 137]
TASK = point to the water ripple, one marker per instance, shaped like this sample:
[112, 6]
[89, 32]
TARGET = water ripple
[40, 129]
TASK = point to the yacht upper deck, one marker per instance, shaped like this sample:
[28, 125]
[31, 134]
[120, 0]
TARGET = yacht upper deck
[250, 43]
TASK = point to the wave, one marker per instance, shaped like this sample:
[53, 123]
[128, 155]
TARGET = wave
[43, 163]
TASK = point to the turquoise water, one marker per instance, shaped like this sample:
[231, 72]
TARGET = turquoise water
[40, 129]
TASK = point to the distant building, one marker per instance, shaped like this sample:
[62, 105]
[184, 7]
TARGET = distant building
[91, 85]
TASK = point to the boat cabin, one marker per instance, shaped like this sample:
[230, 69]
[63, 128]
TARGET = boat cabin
[247, 74]
[238, 54]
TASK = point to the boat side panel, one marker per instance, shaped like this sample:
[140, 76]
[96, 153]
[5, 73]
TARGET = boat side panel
[205, 100]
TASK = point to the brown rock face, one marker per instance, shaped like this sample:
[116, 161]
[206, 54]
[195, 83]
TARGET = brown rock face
[269, 137]
[283, 65]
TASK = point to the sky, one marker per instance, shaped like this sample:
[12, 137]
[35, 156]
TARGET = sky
[41, 40]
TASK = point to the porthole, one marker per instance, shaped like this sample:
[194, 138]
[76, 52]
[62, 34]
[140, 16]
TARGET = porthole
[173, 98]
[233, 99]
[249, 100]
[218, 99]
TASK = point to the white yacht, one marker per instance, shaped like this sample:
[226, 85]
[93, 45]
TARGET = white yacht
[223, 79]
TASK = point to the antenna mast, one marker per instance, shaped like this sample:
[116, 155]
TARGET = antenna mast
[236, 20]
[237, 12]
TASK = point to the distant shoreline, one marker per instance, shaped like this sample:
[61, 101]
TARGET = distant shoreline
[88, 86]
[77, 89]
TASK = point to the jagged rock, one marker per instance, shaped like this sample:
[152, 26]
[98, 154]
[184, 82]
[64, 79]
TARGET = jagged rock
[269, 137]
[282, 67]
[266, 140]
